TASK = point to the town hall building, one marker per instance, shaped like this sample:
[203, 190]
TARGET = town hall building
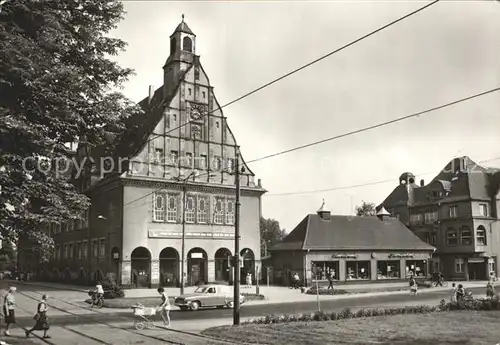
[178, 173]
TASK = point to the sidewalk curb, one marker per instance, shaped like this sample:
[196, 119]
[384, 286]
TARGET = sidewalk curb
[40, 284]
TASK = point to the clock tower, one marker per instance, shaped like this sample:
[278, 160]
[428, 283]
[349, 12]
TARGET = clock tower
[182, 55]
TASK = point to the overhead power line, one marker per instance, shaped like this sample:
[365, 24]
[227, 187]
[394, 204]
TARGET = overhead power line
[356, 185]
[374, 126]
[302, 67]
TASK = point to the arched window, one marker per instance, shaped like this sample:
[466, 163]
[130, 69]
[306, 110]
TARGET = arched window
[465, 235]
[173, 43]
[481, 236]
[187, 44]
[451, 237]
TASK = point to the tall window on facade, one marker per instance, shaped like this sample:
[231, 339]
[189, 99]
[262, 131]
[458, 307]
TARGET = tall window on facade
[79, 250]
[388, 269]
[230, 211]
[202, 209]
[451, 237]
[84, 249]
[190, 209]
[453, 211]
[481, 236]
[159, 207]
[187, 44]
[174, 157]
[219, 211]
[465, 235]
[102, 248]
[203, 162]
[172, 208]
[483, 210]
[358, 270]
[66, 251]
[216, 163]
[433, 238]
[431, 217]
[189, 159]
[95, 249]
[459, 265]
[71, 250]
[158, 158]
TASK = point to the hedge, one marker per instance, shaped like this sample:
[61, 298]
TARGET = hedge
[347, 313]
[324, 291]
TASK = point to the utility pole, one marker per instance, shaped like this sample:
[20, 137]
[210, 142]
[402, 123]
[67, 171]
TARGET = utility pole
[236, 311]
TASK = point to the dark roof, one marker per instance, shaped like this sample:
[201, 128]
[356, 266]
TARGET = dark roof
[183, 27]
[351, 233]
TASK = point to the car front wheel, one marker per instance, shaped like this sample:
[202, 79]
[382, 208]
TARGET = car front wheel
[195, 305]
[230, 305]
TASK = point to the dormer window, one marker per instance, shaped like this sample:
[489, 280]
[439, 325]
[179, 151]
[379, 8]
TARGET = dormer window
[436, 194]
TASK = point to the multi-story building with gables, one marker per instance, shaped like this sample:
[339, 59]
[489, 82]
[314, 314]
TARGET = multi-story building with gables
[183, 150]
[458, 213]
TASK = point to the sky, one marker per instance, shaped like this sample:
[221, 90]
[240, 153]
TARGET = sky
[449, 51]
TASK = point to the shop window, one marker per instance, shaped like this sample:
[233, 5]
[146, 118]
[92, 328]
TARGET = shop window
[416, 268]
[451, 237]
[358, 270]
[322, 270]
[481, 236]
[465, 235]
[459, 265]
[388, 269]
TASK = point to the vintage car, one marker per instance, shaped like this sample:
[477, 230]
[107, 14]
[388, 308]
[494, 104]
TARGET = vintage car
[212, 295]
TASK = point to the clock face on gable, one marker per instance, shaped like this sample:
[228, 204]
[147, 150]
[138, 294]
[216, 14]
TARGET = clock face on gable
[197, 112]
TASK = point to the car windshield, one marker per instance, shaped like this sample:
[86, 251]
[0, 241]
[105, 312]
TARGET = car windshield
[202, 289]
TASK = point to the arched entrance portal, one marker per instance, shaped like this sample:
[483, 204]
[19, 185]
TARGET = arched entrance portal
[141, 263]
[197, 266]
[248, 259]
[222, 268]
[169, 267]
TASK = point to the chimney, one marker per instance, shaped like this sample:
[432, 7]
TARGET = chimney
[323, 212]
[151, 93]
[259, 183]
[422, 183]
[383, 215]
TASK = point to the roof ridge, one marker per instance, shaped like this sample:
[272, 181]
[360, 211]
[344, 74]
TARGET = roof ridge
[304, 241]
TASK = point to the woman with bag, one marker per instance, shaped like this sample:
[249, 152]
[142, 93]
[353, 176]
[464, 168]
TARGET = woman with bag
[164, 307]
[9, 309]
[41, 319]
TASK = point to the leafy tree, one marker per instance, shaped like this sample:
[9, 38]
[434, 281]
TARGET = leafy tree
[56, 87]
[270, 234]
[366, 209]
[7, 256]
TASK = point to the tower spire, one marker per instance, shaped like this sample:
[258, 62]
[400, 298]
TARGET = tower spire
[183, 17]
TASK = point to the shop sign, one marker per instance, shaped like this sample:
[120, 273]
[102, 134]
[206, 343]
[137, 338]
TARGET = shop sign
[404, 255]
[344, 256]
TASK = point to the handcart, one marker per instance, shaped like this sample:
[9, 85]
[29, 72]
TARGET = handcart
[144, 314]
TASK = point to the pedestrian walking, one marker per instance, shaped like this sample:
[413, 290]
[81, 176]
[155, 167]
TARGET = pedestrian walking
[490, 291]
[413, 286]
[164, 307]
[331, 277]
[453, 296]
[41, 319]
[249, 280]
[9, 309]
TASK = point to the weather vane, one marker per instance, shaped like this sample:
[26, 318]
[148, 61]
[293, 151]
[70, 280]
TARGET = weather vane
[183, 17]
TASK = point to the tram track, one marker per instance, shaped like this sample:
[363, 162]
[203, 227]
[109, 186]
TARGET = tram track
[206, 339]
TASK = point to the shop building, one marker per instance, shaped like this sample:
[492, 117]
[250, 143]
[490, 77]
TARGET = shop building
[175, 174]
[353, 249]
[457, 212]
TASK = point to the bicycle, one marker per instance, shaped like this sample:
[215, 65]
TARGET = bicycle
[97, 299]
